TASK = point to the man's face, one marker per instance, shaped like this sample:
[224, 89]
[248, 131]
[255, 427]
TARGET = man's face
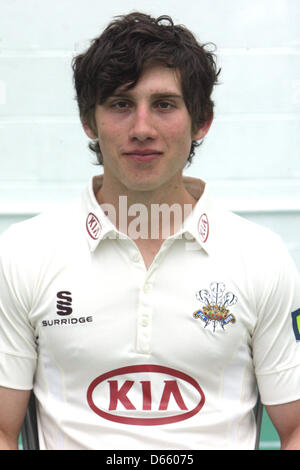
[145, 133]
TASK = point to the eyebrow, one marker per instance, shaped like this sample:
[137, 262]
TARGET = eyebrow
[161, 94]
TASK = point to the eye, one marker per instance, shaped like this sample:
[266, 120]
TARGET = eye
[120, 105]
[164, 105]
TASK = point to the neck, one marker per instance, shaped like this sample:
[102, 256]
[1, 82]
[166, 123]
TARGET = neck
[155, 213]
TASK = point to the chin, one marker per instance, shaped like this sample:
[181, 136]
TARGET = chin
[141, 186]
[150, 182]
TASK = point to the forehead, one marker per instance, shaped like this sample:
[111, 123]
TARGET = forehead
[155, 80]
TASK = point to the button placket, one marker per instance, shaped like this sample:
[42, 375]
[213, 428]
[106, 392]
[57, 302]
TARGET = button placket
[135, 257]
[144, 315]
[147, 288]
[144, 324]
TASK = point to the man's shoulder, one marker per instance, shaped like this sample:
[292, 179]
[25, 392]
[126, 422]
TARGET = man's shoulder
[55, 225]
[242, 224]
[241, 234]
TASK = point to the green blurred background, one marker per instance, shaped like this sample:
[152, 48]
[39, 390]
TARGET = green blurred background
[269, 439]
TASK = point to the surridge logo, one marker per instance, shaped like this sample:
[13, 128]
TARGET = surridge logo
[64, 309]
[64, 303]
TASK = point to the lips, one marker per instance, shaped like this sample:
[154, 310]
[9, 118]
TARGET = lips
[144, 155]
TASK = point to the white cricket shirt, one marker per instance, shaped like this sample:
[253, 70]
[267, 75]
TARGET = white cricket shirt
[121, 357]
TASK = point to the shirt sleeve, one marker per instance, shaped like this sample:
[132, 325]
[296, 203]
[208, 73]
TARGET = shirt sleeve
[276, 339]
[17, 338]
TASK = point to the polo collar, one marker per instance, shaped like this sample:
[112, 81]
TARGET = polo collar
[198, 227]
[96, 224]
[200, 224]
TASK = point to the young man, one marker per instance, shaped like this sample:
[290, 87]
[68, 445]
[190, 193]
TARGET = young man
[145, 316]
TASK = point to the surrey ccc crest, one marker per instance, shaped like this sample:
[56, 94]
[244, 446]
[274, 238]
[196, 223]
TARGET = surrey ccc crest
[216, 302]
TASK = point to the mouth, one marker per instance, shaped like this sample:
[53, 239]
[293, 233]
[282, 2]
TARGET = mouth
[142, 155]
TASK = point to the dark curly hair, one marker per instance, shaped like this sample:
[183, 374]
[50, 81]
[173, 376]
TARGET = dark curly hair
[129, 43]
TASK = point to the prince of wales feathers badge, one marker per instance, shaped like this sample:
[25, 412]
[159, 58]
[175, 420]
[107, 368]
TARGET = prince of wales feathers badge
[216, 302]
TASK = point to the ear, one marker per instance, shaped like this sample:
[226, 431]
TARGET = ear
[203, 130]
[89, 132]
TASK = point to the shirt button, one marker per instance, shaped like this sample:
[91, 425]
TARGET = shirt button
[147, 288]
[135, 258]
[145, 322]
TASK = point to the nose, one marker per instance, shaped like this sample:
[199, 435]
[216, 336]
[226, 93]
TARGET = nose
[142, 126]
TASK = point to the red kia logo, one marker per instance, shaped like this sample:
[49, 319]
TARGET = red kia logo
[145, 395]
[93, 226]
[203, 227]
